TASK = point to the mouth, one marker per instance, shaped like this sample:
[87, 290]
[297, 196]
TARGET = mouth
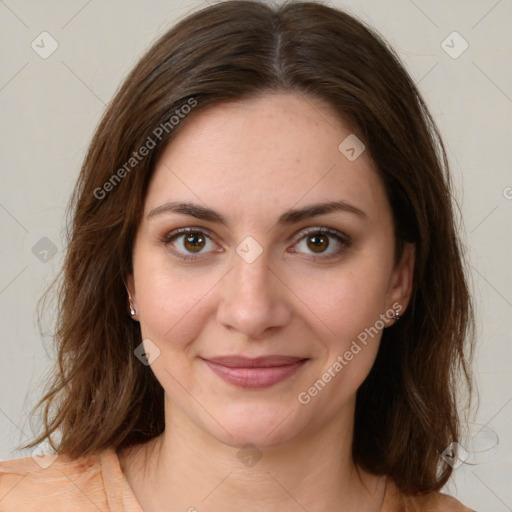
[260, 372]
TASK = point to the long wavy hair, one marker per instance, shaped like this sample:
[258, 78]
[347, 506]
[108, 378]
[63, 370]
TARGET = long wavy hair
[408, 409]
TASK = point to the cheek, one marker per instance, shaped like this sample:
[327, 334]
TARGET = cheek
[170, 302]
[347, 323]
[347, 300]
[345, 308]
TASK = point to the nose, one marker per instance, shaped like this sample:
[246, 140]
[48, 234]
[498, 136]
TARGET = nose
[254, 298]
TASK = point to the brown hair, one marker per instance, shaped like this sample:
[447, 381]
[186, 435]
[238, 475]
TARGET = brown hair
[406, 414]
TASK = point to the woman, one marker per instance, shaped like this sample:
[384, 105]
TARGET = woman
[263, 304]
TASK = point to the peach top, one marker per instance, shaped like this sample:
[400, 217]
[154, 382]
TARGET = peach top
[96, 483]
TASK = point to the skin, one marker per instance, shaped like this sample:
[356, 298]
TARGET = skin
[251, 161]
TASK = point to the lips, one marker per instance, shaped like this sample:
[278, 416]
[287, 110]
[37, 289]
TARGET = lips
[256, 372]
[256, 362]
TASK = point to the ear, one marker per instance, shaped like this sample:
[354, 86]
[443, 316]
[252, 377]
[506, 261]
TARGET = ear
[402, 280]
[130, 286]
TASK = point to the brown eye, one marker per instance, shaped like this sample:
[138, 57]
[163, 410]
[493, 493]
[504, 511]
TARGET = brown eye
[189, 243]
[322, 243]
[194, 242]
[318, 243]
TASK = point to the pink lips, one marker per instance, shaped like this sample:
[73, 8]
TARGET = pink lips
[257, 372]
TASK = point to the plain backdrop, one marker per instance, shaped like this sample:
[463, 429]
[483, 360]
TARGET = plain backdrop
[49, 108]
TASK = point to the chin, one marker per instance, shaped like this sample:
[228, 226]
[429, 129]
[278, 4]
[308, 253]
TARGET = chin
[263, 426]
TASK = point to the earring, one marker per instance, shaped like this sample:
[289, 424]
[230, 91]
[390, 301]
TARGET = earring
[397, 316]
[132, 309]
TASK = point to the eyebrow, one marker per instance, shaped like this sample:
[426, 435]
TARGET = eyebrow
[289, 217]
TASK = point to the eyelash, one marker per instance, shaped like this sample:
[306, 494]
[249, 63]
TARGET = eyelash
[343, 239]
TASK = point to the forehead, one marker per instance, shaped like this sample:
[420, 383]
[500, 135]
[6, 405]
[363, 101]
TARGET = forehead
[270, 152]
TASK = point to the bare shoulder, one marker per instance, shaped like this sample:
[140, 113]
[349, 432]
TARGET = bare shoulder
[51, 482]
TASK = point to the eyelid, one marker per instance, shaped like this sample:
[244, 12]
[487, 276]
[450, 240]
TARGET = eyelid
[322, 230]
[183, 231]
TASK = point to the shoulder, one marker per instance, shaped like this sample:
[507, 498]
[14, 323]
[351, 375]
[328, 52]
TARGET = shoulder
[435, 502]
[52, 482]
[396, 501]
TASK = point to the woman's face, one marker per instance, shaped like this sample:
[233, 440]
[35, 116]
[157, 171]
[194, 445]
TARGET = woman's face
[268, 310]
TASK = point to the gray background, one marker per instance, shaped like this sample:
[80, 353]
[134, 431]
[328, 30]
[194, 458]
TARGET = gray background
[50, 107]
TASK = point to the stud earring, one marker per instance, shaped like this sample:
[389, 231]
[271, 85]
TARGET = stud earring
[397, 316]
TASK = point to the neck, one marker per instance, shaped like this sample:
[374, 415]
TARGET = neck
[187, 467]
